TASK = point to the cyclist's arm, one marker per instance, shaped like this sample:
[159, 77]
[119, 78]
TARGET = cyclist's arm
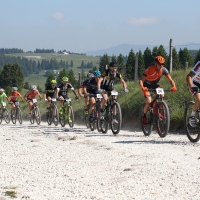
[99, 82]
[123, 83]
[189, 80]
[57, 90]
[141, 81]
[80, 90]
[171, 81]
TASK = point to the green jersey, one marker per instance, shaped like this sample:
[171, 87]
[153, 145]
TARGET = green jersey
[2, 97]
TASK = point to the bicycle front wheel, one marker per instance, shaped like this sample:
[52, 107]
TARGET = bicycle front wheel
[32, 117]
[104, 123]
[193, 133]
[19, 115]
[13, 116]
[49, 116]
[71, 117]
[62, 118]
[6, 115]
[163, 119]
[55, 116]
[37, 115]
[148, 127]
[116, 119]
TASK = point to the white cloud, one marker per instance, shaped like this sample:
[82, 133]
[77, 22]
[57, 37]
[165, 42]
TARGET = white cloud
[58, 16]
[139, 21]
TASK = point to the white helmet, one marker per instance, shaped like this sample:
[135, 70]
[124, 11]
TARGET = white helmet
[33, 87]
[1, 90]
[14, 89]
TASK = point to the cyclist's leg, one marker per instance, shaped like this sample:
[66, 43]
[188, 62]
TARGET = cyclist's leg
[92, 103]
[30, 103]
[61, 104]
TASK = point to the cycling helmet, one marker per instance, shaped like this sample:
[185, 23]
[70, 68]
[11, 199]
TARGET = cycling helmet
[1, 90]
[65, 79]
[160, 60]
[33, 87]
[97, 73]
[113, 64]
[53, 82]
[14, 89]
[90, 75]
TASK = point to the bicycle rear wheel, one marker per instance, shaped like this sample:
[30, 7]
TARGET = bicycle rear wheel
[19, 115]
[71, 116]
[6, 115]
[105, 122]
[147, 128]
[116, 125]
[37, 115]
[193, 133]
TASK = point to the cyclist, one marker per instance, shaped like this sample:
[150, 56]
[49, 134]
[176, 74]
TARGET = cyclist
[3, 96]
[63, 93]
[30, 95]
[51, 91]
[150, 80]
[193, 82]
[82, 90]
[92, 89]
[107, 84]
[13, 98]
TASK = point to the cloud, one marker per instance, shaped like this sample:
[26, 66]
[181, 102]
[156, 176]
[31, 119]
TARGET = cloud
[58, 16]
[140, 21]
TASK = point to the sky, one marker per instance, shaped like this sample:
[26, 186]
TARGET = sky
[87, 25]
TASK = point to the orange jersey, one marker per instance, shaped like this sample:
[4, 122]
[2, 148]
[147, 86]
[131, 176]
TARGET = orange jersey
[13, 96]
[152, 75]
[31, 94]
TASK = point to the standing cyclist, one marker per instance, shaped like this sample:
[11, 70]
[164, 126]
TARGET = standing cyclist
[193, 81]
[106, 82]
[63, 94]
[150, 80]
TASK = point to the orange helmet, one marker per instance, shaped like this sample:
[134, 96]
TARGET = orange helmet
[160, 60]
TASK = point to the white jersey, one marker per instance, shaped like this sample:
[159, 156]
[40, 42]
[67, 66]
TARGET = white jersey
[196, 71]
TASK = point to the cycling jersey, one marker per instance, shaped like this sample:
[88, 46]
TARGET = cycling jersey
[2, 97]
[108, 80]
[50, 92]
[152, 75]
[92, 86]
[31, 94]
[63, 90]
[196, 71]
[13, 96]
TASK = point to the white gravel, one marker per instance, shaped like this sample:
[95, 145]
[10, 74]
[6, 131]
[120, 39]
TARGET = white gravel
[54, 163]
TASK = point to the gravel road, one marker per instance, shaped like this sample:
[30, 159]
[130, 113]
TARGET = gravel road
[55, 163]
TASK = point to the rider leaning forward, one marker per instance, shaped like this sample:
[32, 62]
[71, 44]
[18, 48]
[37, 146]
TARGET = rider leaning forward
[150, 80]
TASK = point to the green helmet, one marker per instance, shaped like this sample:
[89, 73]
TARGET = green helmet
[53, 82]
[64, 79]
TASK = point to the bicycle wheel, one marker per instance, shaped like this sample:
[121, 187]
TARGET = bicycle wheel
[147, 129]
[163, 119]
[49, 116]
[32, 117]
[13, 116]
[62, 118]
[37, 115]
[98, 121]
[1, 116]
[71, 116]
[92, 123]
[193, 133]
[55, 116]
[116, 120]
[19, 115]
[6, 115]
[105, 122]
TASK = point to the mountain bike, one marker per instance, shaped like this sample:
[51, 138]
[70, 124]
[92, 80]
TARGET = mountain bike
[52, 113]
[67, 113]
[193, 133]
[112, 112]
[86, 116]
[95, 123]
[4, 113]
[16, 114]
[158, 114]
[35, 113]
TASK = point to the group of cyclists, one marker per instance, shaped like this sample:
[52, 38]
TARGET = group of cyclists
[103, 83]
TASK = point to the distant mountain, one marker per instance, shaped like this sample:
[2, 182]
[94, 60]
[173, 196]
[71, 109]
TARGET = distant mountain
[124, 49]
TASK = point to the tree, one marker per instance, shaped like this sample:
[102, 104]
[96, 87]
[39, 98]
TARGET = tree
[71, 77]
[105, 60]
[175, 60]
[26, 85]
[12, 76]
[130, 65]
[148, 59]
[141, 65]
[61, 74]
[197, 57]
[49, 79]
[185, 56]
[121, 65]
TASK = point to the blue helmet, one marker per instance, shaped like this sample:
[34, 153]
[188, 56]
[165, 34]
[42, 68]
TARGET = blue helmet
[97, 73]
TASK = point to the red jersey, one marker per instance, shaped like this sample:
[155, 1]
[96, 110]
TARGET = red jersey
[13, 96]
